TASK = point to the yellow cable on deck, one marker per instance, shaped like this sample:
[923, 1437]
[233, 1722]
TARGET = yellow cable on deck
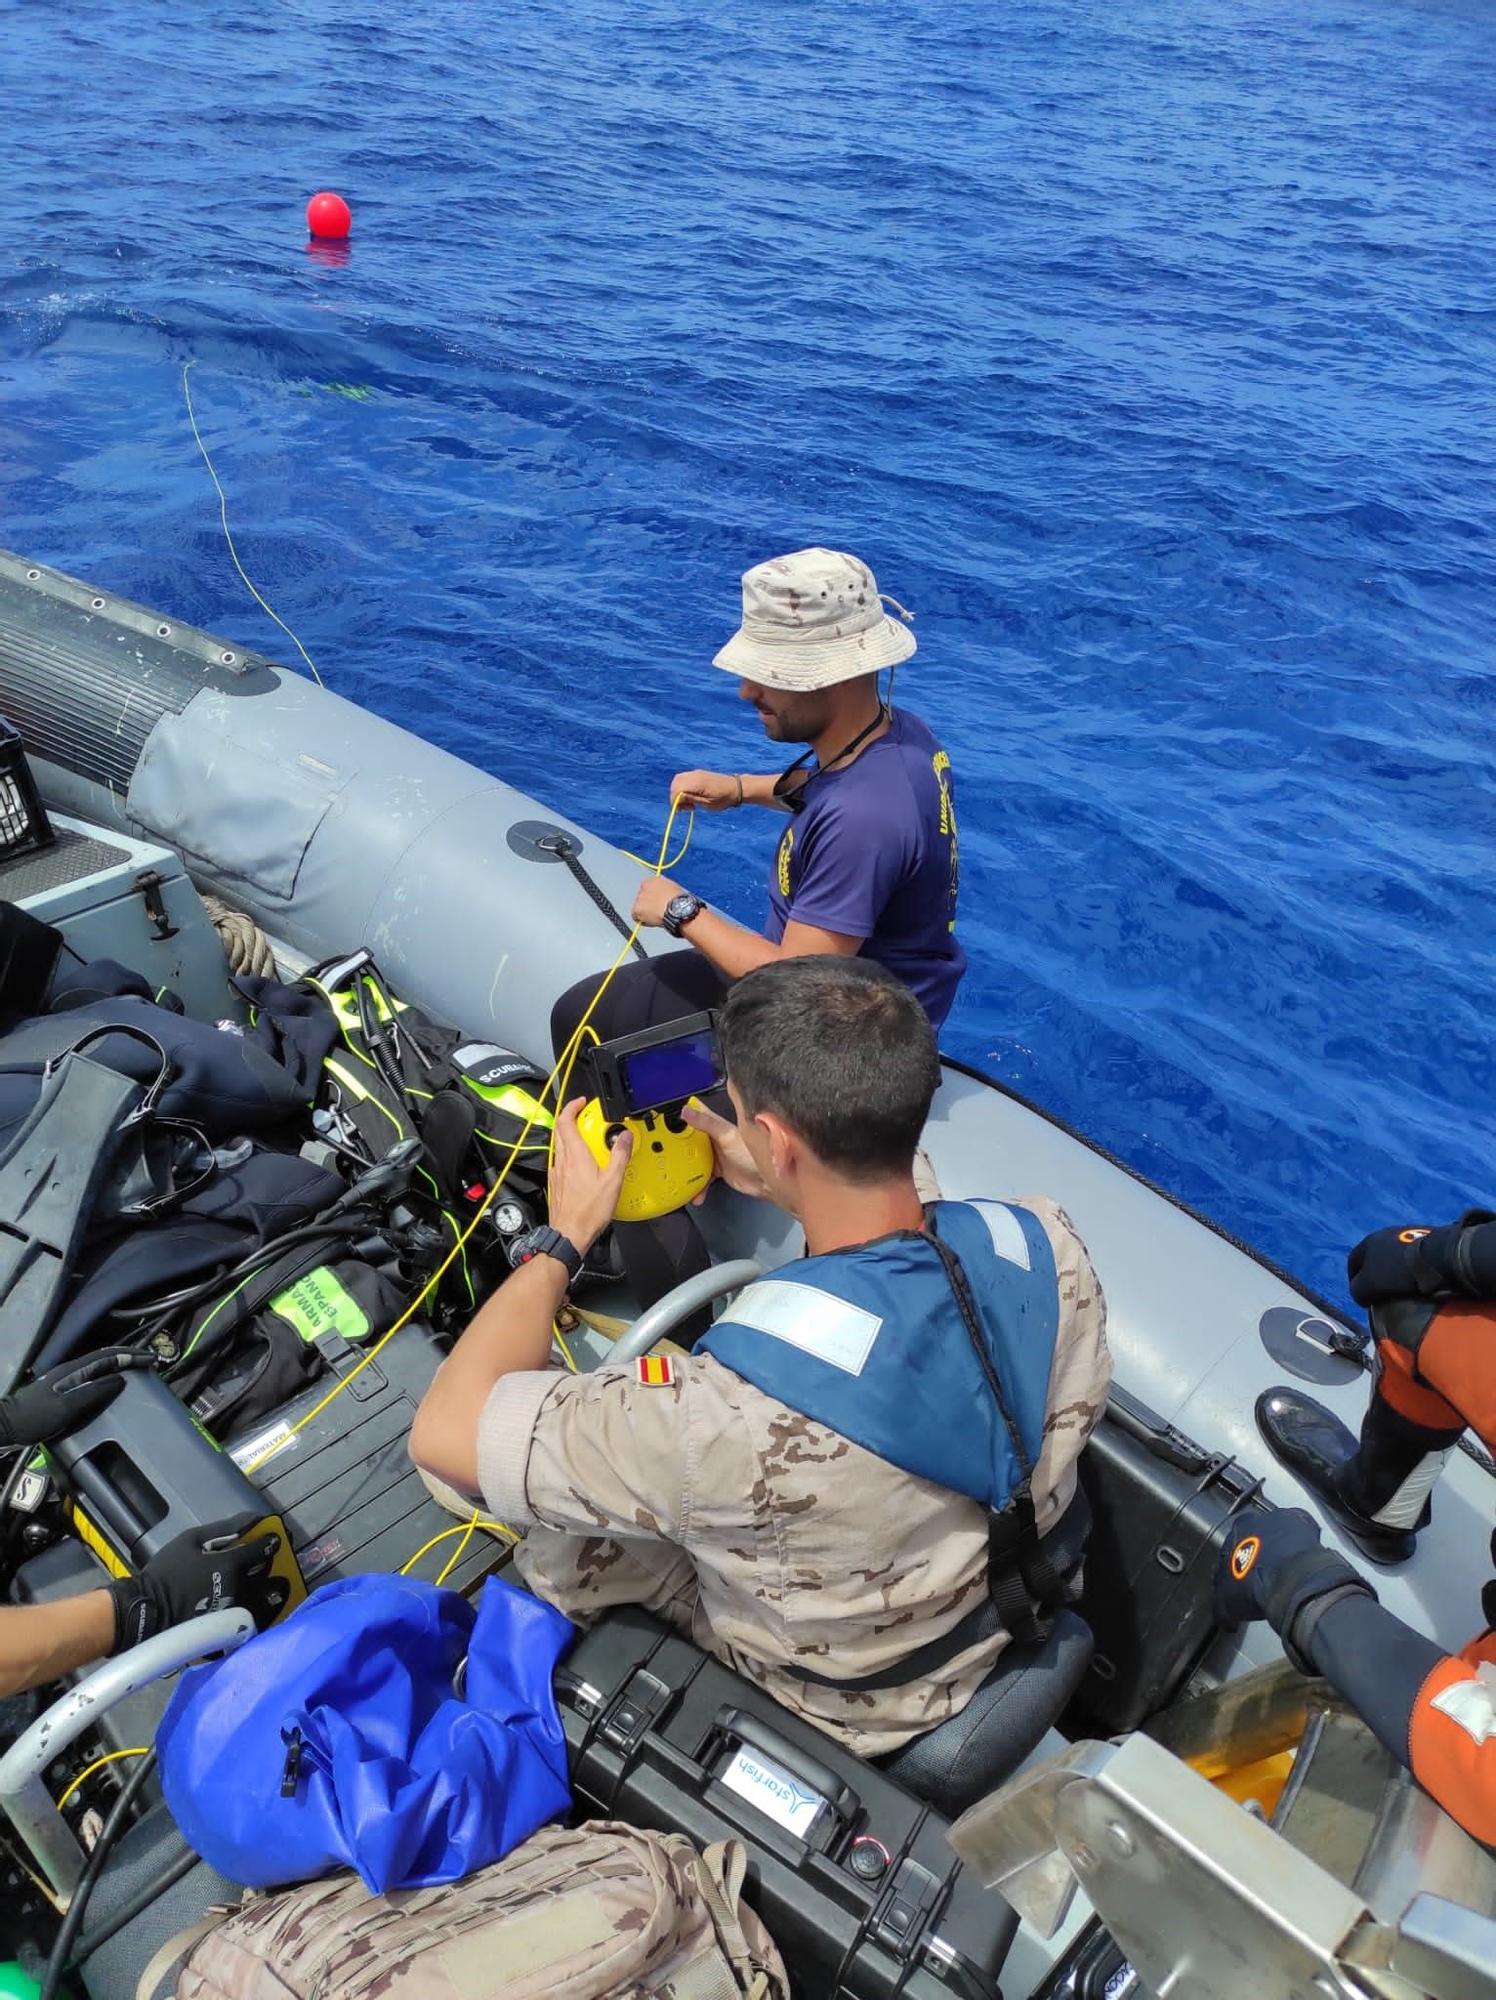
[97, 1765]
[464, 1528]
[459, 1552]
[565, 1059]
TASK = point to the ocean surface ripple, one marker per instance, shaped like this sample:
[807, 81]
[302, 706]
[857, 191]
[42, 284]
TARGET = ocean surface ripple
[1146, 352]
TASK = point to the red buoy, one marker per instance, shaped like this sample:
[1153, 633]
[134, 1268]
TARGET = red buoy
[328, 215]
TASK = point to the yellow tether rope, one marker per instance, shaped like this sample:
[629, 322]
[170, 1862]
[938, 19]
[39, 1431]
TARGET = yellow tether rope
[563, 1065]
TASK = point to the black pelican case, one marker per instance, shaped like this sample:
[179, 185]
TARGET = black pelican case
[852, 1874]
[1161, 1512]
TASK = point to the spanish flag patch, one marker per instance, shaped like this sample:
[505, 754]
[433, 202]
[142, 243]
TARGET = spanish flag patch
[656, 1371]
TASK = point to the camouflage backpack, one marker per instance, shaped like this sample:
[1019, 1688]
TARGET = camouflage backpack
[604, 1912]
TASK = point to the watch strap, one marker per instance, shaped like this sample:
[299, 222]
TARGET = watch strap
[548, 1242]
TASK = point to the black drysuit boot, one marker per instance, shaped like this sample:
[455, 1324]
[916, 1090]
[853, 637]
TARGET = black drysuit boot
[1375, 1488]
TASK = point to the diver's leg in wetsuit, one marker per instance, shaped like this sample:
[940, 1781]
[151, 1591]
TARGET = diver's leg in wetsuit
[656, 1255]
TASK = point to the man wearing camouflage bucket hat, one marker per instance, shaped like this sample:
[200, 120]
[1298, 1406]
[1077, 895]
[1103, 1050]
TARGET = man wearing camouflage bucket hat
[866, 866]
[868, 862]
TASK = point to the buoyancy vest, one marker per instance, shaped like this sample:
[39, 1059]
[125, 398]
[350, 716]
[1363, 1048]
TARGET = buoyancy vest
[871, 1342]
[933, 1351]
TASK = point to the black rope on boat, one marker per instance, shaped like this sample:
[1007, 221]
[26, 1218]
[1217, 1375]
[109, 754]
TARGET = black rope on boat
[564, 849]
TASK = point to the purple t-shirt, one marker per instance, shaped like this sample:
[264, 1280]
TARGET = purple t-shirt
[873, 856]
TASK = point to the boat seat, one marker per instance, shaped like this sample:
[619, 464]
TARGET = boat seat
[146, 1852]
[962, 1760]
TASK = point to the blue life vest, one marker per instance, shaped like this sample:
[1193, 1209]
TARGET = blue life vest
[871, 1343]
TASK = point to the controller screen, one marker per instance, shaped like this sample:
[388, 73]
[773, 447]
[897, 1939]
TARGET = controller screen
[671, 1072]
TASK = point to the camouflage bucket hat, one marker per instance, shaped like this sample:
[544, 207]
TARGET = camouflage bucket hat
[812, 619]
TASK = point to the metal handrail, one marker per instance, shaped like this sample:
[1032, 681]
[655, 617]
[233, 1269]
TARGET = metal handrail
[689, 1296]
[24, 1798]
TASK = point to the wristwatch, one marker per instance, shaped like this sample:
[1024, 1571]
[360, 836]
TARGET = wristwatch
[679, 911]
[547, 1242]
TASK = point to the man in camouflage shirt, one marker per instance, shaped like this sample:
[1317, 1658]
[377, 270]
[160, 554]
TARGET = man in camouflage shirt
[775, 1542]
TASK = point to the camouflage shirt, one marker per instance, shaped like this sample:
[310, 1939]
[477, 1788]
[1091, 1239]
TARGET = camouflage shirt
[768, 1538]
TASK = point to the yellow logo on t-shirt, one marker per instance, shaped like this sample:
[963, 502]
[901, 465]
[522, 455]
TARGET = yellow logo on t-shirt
[786, 849]
[942, 764]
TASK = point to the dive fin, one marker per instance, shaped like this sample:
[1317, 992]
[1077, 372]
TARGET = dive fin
[50, 1178]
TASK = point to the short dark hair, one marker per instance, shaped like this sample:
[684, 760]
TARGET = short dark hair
[840, 1050]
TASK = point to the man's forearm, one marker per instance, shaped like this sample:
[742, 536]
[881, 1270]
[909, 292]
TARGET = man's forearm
[511, 1333]
[730, 948]
[40, 1641]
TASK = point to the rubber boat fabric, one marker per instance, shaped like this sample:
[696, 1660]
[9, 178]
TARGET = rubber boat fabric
[860, 1340]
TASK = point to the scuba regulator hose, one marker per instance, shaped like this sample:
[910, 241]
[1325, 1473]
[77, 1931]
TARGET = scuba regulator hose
[376, 1183]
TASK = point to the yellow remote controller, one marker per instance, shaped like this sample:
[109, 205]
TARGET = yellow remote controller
[671, 1162]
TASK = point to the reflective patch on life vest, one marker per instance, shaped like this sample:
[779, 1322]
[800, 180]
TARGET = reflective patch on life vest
[1470, 1705]
[1006, 1231]
[816, 1322]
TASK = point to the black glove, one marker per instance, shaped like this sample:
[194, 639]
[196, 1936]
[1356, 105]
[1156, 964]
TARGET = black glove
[1276, 1567]
[190, 1577]
[65, 1398]
[1419, 1263]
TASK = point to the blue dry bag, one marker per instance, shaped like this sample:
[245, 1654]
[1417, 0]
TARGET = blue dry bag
[335, 1740]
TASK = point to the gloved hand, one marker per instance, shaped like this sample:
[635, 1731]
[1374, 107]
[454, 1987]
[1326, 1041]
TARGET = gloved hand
[1276, 1567]
[192, 1576]
[65, 1398]
[1419, 1263]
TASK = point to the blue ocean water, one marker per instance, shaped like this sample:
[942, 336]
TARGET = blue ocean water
[1146, 353]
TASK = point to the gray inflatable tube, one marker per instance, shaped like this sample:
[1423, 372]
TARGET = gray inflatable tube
[329, 826]
[335, 829]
